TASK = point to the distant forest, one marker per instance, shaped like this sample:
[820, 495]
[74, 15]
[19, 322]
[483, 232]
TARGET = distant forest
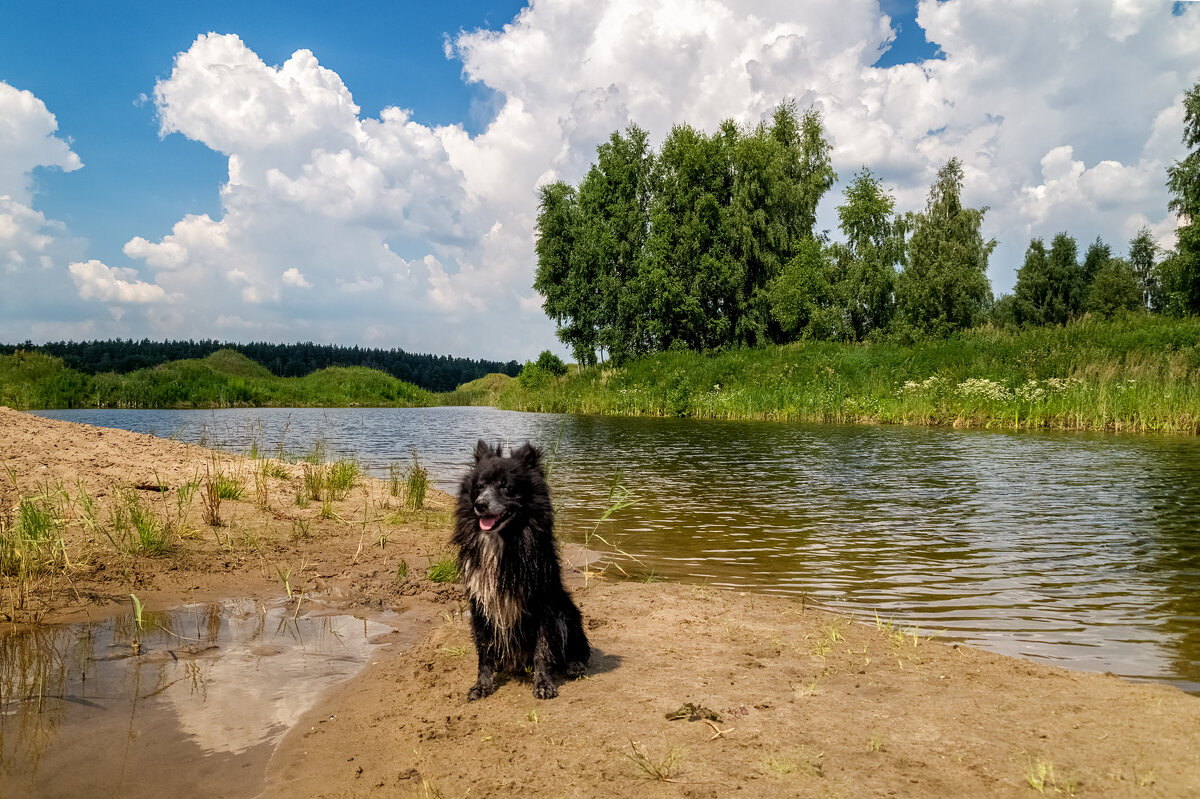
[436, 373]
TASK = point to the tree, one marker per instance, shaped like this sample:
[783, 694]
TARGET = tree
[780, 173]
[614, 202]
[1066, 279]
[551, 363]
[1114, 290]
[1142, 252]
[688, 277]
[1034, 299]
[1096, 258]
[589, 245]
[564, 278]
[944, 285]
[803, 300]
[1050, 285]
[1181, 275]
[866, 263]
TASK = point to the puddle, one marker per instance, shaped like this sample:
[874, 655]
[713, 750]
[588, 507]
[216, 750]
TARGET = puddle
[193, 703]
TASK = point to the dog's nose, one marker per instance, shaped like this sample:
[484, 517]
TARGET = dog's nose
[481, 506]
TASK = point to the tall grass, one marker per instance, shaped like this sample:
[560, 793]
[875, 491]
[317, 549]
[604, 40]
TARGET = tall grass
[1139, 373]
[31, 542]
[416, 484]
[135, 527]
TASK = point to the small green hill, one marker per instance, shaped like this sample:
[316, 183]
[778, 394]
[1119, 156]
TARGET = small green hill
[232, 362]
[481, 391]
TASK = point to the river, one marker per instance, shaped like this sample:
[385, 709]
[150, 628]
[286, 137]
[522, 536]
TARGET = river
[1080, 549]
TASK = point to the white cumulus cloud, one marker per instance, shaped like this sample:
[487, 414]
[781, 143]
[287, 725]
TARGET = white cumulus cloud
[97, 281]
[422, 236]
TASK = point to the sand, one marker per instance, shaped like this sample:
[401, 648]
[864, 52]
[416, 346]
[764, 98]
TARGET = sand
[692, 691]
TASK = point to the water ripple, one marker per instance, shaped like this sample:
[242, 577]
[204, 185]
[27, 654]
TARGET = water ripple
[1081, 549]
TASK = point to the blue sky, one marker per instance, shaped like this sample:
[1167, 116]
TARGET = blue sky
[381, 191]
[91, 65]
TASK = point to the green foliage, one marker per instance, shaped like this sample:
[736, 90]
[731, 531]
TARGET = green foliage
[803, 301]
[553, 364]
[1181, 272]
[867, 261]
[32, 379]
[31, 540]
[679, 249]
[341, 477]
[416, 484]
[537, 373]
[1142, 254]
[259, 360]
[1049, 284]
[1136, 372]
[443, 569]
[229, 487]
[1114, 289]
[944, 286]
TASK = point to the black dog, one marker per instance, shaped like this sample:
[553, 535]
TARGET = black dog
[521, 615]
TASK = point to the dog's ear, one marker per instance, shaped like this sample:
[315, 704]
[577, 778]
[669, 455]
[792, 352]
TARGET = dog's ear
[530, 455]
[482, 450]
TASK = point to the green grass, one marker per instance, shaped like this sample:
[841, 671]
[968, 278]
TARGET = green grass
[229, 487]
[31, 542]
[1138, 373]
[443, 569]
[135, 528]
[416, 484]
[341, 476]
[223, 379]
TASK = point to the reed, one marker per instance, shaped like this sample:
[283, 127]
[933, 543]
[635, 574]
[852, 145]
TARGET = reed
[1138, 374]
[416, 484]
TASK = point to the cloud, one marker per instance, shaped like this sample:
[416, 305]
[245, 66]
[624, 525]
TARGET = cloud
[422, 236]
[27, 141]
[28, 240]
[108, 284]
[292, 277]
[35, 294]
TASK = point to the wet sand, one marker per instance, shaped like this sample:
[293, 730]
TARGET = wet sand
[777, 697]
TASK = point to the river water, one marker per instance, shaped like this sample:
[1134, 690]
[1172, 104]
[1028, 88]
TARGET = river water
[1080, 549]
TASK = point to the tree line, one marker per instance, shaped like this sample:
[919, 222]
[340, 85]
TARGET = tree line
[709, 243]
[437, 373]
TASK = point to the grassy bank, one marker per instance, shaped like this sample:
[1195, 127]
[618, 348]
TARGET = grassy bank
[1140, 373]
[221, 380]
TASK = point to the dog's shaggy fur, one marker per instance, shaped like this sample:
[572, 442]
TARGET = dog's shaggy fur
[521, 615]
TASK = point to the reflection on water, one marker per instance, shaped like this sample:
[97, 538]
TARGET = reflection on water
[1081, 549]
[105, 703]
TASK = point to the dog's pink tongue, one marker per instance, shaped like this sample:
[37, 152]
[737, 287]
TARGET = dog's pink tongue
[487, 522]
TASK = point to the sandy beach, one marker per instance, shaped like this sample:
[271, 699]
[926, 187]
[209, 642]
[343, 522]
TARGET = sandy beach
[692, 691]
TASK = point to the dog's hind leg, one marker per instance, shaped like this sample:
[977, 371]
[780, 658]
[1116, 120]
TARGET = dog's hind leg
[576, 650]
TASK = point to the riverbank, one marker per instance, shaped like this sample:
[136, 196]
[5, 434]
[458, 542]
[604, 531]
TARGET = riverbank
[1140, 374]
[788, 699]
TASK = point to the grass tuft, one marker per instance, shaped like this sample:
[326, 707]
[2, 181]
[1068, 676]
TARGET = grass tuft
[443, 569]
[663, 768]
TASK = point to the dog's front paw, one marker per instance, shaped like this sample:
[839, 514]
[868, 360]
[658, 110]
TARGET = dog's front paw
[544, 688]
[481, 689]
[576, 669]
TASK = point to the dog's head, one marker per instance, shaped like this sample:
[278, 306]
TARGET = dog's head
[499, 487]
